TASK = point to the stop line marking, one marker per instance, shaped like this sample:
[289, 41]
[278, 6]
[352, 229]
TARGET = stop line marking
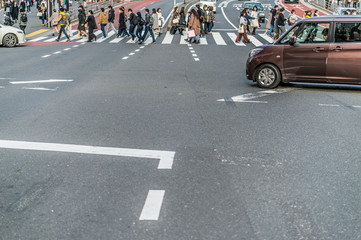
[165, 157]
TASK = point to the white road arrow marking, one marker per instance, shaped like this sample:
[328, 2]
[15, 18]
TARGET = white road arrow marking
[249, 96]
[165, 157]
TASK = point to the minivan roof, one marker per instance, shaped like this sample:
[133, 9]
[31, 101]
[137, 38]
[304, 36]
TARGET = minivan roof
[334, 18]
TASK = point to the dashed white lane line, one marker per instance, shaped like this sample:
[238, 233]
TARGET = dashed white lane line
[194, 55]
[131, 54]
[76, 46]
[41, 81]
[337, 105]
[137, 50]
[2, 87]
[45, 56]
[67, 49]
[40, 89]
[165, 157]
[124, 58]
[57, 52]
[152, 205]
[196, 59]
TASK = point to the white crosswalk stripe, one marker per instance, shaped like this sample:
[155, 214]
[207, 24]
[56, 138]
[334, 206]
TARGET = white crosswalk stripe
[168, 38]
[267, 38]
[216, 38]
[255, 41]
[233, 36]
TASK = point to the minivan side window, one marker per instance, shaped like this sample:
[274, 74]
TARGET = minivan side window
[348, 32]
[312, 32]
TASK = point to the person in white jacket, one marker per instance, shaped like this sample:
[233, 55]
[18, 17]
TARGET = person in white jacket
[254, 22]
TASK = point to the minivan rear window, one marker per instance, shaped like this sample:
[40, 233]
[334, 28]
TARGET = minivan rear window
[348, 32]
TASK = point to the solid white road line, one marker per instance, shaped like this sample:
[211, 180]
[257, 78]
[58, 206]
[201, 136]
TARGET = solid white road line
[41, 89]
[165, 157]
[218, 38]
[255, 41]
[41, 81]
[203, 41]
[228, 19]
[267, 38]
[37, 39]
[152, 205]
[168, 38]
[233, 36]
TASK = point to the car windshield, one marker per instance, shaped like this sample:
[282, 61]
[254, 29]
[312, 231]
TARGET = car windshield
[291, 33]
[251, 5]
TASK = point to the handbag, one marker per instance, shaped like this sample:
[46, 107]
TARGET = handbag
[241, 29]
[191, 33]
[175, 21]
[39, 14]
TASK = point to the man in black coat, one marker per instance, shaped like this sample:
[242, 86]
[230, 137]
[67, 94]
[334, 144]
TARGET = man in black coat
[122, 27]
[91, 26]
[111, 17]
[133, 22]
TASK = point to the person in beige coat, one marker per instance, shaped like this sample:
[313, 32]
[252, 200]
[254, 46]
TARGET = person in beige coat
[53, 20]
[194, 25]
[103, 21]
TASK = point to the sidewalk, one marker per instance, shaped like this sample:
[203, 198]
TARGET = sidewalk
[300, 8]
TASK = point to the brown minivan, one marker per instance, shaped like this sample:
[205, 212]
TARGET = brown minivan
[316, 50]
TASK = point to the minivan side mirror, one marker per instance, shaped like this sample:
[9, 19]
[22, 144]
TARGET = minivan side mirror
[292, 40]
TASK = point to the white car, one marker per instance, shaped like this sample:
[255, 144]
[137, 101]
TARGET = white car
[11, 36]
[209, 3]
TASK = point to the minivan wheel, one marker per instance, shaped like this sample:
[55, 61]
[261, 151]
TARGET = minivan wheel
[268, 76]
[9, 40]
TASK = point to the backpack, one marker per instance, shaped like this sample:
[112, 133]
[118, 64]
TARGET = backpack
[63, 19]
[141, 22]
[135, 20]
[24, 18]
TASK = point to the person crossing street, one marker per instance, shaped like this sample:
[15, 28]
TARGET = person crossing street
[111, 18]
[91, 26]
[62, 20]
[149, 21]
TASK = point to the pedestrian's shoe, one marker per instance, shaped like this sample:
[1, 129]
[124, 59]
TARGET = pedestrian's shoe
[57, 39]
[246, 42]
[187, 40]
[95, 38]
[53, 34]
[153, 42]
[68, 40]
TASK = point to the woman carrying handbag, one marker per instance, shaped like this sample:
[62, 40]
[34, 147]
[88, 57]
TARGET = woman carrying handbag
[242, 30]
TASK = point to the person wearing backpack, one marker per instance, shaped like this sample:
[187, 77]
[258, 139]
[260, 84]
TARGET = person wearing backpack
[103, 21]
[81, 25]
[149, 21]
[23, 21]
[133, 22]
[140, 26]
[7, 19]
[111, 17]
[122, 26]
[68, 26]
[62, 22]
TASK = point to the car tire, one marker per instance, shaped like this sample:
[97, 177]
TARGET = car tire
[10, 40]
[267, 76]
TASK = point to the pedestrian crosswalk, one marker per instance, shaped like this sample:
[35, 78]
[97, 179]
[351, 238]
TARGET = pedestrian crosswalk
[215, 38]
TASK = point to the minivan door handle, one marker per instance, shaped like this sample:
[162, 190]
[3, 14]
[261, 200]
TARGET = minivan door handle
[318, 49]
[338, 48]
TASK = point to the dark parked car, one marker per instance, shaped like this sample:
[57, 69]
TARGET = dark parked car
[250, 5]
[317, 50]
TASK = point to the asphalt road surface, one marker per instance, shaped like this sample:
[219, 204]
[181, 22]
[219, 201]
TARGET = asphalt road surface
[113, 140]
